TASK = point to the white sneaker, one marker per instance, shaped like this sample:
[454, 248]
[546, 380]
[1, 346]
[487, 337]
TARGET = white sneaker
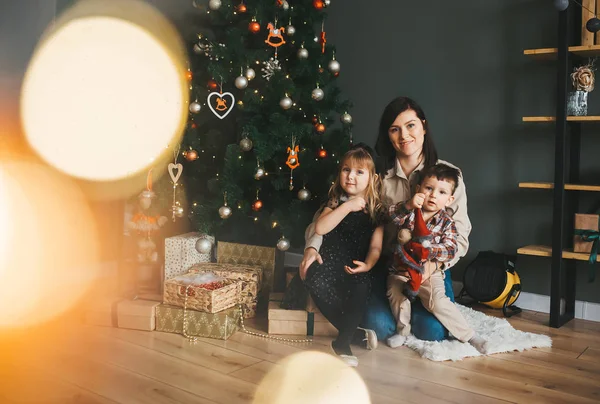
[370, 337]
[349, 360]
[396, 340]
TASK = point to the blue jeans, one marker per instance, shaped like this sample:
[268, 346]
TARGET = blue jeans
[378, 316]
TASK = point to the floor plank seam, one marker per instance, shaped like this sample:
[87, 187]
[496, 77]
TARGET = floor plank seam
[583, 353]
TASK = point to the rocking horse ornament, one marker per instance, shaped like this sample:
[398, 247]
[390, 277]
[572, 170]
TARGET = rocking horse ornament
[220, 106]
[275, 37]
[292, 160]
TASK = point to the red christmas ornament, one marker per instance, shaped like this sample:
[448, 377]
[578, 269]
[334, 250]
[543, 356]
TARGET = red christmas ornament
[318, 4]
[320, 128]
[194, 126]
[322, 153]
[212, 85]
[315, 120]
[188, 75]
[254, 27]
[191, 155]
[242, 8]
[257, 205]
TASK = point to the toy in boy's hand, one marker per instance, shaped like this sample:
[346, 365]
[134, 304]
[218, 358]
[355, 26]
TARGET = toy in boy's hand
[410, 255]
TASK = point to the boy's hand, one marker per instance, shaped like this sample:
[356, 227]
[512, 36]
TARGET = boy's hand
[416, 201]
[356, 204]
[360, 267]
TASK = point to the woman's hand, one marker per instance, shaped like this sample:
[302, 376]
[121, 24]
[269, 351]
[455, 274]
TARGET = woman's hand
[310, 255]
[360, 268]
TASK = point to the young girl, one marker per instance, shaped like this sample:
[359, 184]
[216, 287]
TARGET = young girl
[341, 285]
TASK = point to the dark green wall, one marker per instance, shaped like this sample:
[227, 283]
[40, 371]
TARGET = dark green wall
[463, 61]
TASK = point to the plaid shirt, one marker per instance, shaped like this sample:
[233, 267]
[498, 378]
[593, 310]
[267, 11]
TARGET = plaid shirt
[444, 244]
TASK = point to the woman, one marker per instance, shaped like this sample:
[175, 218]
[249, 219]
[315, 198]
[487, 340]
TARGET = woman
[406, 146]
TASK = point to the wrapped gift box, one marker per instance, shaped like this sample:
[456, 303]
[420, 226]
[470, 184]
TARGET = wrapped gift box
[137, 314]
[181, 253]
[310, 304]
[202, 291]
[244, 254]
[584, 222]
[297, 322]
[102, 312]
[250, 277]
[219, 325]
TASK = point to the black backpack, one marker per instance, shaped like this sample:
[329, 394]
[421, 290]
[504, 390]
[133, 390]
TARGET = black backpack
[491, 279]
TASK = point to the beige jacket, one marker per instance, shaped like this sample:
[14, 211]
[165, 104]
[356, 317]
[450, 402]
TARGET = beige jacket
[398, 188]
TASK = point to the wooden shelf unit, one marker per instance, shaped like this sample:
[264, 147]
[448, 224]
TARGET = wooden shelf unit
[568, 187]
[569, 118]
[567, 150]
[552, 53]
[546, 251]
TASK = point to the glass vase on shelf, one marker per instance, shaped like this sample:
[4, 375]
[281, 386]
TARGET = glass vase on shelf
[577, 103]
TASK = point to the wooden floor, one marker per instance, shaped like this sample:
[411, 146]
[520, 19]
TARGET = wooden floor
[86, 364]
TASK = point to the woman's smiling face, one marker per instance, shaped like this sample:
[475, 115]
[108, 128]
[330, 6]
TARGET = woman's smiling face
[407, 134]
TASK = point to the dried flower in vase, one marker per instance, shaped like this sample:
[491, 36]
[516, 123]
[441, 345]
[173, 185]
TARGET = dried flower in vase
[583, 78]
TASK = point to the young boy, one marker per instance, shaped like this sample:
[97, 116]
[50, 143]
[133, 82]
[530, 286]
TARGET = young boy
[434, 193]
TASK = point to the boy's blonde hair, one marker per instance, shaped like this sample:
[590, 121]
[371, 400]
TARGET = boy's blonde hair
[360, 157]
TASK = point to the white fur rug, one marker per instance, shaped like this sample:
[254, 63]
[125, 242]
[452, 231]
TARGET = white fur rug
[501, 336]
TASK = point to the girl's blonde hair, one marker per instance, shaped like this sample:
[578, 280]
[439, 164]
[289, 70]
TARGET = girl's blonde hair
[359, 157]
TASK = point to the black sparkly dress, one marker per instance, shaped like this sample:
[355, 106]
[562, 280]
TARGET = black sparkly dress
[342, 298]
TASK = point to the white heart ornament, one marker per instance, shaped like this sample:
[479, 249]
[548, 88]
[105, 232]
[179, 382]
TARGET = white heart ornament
[171, 167]
[217, 113]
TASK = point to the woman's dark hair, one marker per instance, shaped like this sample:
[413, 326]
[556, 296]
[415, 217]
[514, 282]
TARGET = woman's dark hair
[384, 146]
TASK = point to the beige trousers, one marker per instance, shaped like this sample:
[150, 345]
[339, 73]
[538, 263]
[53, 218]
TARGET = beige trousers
[433, 296]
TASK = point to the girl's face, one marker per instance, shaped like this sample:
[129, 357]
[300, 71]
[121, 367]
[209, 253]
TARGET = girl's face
[354, 179]
[407, 134]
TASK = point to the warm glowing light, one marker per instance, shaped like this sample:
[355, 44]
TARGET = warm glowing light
[48, 244]
[311, 377]
[106, 90]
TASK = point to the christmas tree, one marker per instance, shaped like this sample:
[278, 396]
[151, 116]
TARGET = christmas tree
[267, 121]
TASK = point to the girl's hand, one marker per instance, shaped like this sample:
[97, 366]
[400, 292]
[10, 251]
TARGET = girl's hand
[360, 267]
[416, 202]
[310, 255]
[356, 204]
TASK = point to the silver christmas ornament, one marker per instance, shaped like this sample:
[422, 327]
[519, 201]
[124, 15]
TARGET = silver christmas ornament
[283, 244]
[260, 172]
[317, 94]
[195, 107]
[177, 210]
[334, 66]
[302, 53]
[286, 102]
[214, 4]
[203, 245]
[290, 30]
[561, 5]
[346, 118]
[316, 39]
[241, 82]
[304, 194]
[246, 144]
[327, 3]
[225, 212]
[197, 49]
[285, 5]
[250, 73]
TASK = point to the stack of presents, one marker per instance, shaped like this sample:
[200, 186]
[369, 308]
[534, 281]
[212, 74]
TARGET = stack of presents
[202, 298]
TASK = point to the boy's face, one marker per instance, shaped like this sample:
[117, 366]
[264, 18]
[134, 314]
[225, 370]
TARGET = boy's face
[438, 194]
